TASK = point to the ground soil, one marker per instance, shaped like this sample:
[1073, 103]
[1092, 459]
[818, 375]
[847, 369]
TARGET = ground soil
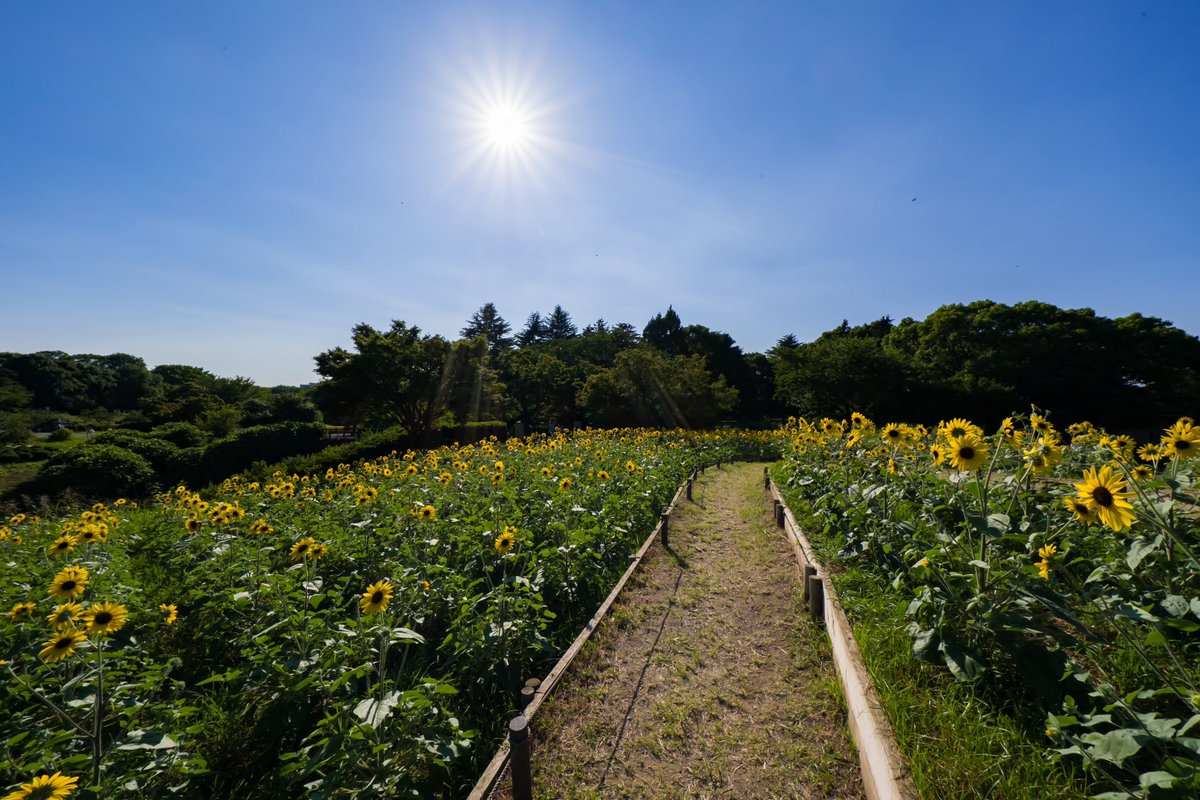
[706, 679]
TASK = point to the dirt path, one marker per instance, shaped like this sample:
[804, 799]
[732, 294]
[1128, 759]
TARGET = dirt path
[706, 679]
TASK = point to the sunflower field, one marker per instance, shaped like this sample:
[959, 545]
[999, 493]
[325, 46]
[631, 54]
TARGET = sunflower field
[1057, 572]
[358, 633]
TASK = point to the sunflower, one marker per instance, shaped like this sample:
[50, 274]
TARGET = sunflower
[1082, 511]
[301, 549]
[192, 525]
[63, 545]
[1143, 472]
[937, 454]
[61, 645]
[892, 433]
[1105, 493]
[1040, 423]
[376, 598]
[93, 532]
[45, 787]
[21, 611]
[104, 618]
[1181, 440]
[1045, 553]
[171, 612]
[565, 484]
[967, 452]
[64, 615]
[1042, 457]
[427, 512]
[261, 527]
[318, 550]
[504, 542]
[445, 478]
[497, 479]
[68, 584]
[602, 475]
[547, 472]
[958, 427]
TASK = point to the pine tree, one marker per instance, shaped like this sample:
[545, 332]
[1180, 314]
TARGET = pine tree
[487, 322]
[559, 325]
[534, 331]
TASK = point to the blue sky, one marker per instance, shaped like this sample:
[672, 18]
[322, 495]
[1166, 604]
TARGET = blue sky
[236, 185]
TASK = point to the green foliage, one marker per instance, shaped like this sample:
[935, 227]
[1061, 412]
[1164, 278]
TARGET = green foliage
[275, 681]
[227, 456]
[220, 422]
[393, 375]
[180, 434]
[161, 454]
[645, 387]
[1027, 578]
[61, 435]
[97, 470]
[15, 428]
[839, 375]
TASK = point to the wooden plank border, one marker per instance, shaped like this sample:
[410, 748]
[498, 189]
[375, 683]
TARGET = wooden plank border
[495, 768]
[884, 770]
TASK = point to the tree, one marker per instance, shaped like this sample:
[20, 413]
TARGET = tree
[535, 383]
[665, 331]
[534, 331]
[470, 389]
[559, 326]
[488, 323]
[788, 342]
[836, 376]
[392, 376]
[648, 388]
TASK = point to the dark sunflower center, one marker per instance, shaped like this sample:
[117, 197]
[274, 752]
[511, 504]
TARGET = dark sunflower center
[1102, 496]
[377, 597]
[64, 643]
[102, 618]
[1182, 444]
[63, 545]
[894, 434]
[300, 548]
[966, 453]
[957, 432]
[68, 586]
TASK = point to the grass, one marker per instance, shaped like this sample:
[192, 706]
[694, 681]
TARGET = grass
[958, 741]
[13, 475]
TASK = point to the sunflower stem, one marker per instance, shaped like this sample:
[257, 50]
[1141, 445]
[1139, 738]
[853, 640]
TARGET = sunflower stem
[97, 716]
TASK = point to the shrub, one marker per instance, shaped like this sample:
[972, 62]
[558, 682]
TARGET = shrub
[60, 435]
[260, 443]
[181, 434]
[162, 454]
[97, 470]
[370, 446]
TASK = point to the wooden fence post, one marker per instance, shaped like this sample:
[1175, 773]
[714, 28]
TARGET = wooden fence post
[779, 517]
[810, 572]
[816, 597]
[666, 520]
[766, 477]
[519, 765]
[689, 489]
[528, 691]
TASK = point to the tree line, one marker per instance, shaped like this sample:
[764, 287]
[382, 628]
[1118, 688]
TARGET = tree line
[983, 360]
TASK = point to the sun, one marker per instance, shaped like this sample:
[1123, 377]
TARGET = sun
[507, 128]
